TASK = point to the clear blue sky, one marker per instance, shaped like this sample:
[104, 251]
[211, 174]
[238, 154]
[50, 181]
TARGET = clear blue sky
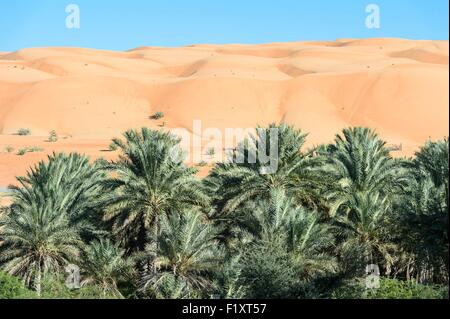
[125, 24]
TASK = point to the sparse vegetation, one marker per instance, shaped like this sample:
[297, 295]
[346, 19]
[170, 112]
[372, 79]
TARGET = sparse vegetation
[30, 149]
[158, 115]
[202, 164]
[9, 149]
[53, 136]
[23, 132]
[211, 151]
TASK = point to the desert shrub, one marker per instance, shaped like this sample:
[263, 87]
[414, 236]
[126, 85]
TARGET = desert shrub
[158, 115]
[211, 151]
[12, 288]
[22, 151]
[202, 164]
[23, 132]
[53, 137]
[31, 149]
[9, 149]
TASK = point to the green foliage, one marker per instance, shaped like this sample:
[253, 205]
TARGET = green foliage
[23, 132]
[145, 226]
[113, 147]
[43, 229]
[366, 180]
[38, 239]
[104, 265]
[158, 115]
[390, 289]
[53, 287]
[30, 149]
[12, 288]
[233, 185]
[268, 271]
[150, 181]
[421, 214]
[211, 151]
[53, 136]
[185, 256]
[202, 164]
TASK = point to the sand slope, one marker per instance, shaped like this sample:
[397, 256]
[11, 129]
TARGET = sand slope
[399, 87]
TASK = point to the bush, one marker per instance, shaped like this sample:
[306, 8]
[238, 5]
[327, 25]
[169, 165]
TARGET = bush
[54, 287]
[22, 151]
[9, 149]
[157, 116]
[268, 271]
[53, 137]
[390, 289]
[23, 132]
[32, 149]
[202, 164]
[12, 288]
[211, 151]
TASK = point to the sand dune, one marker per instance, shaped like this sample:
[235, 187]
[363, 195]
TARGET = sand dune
[399, 87]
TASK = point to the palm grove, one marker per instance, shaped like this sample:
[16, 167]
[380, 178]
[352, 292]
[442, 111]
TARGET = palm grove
[144, 226]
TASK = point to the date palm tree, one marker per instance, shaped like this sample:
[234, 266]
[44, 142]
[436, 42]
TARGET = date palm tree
[308, 240]
[235, 183]
[432, 159]
[367, 181]
[422, 215]
[149, 181]
[104, 264]
[51, 210]
[71, 182]
[186, 256]
[359, 162]
[364, 232]
[36, 240]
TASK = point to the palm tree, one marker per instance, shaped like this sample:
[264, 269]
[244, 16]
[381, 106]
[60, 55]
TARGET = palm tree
[290, 250]
[359, 162]
[149, 181]
[422, 215]
[37, 239]
[186, 256]
[233, 185]
[367, 181]
[51, 209]
[364, 232]
[432, 159]
[71, 182]
[305, 237]
[104, 264]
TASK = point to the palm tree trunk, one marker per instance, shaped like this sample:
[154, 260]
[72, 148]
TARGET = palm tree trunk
[38, 281]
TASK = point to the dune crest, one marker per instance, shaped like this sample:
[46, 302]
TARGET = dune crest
[397, 86]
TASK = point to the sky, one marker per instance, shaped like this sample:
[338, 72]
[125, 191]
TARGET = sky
[126, 24]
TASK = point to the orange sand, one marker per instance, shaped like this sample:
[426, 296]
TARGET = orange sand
[399, 87]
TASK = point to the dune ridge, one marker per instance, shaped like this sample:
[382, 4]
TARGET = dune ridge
[398, 87]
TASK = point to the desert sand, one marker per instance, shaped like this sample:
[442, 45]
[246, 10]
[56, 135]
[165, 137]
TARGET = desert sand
[398, 87]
